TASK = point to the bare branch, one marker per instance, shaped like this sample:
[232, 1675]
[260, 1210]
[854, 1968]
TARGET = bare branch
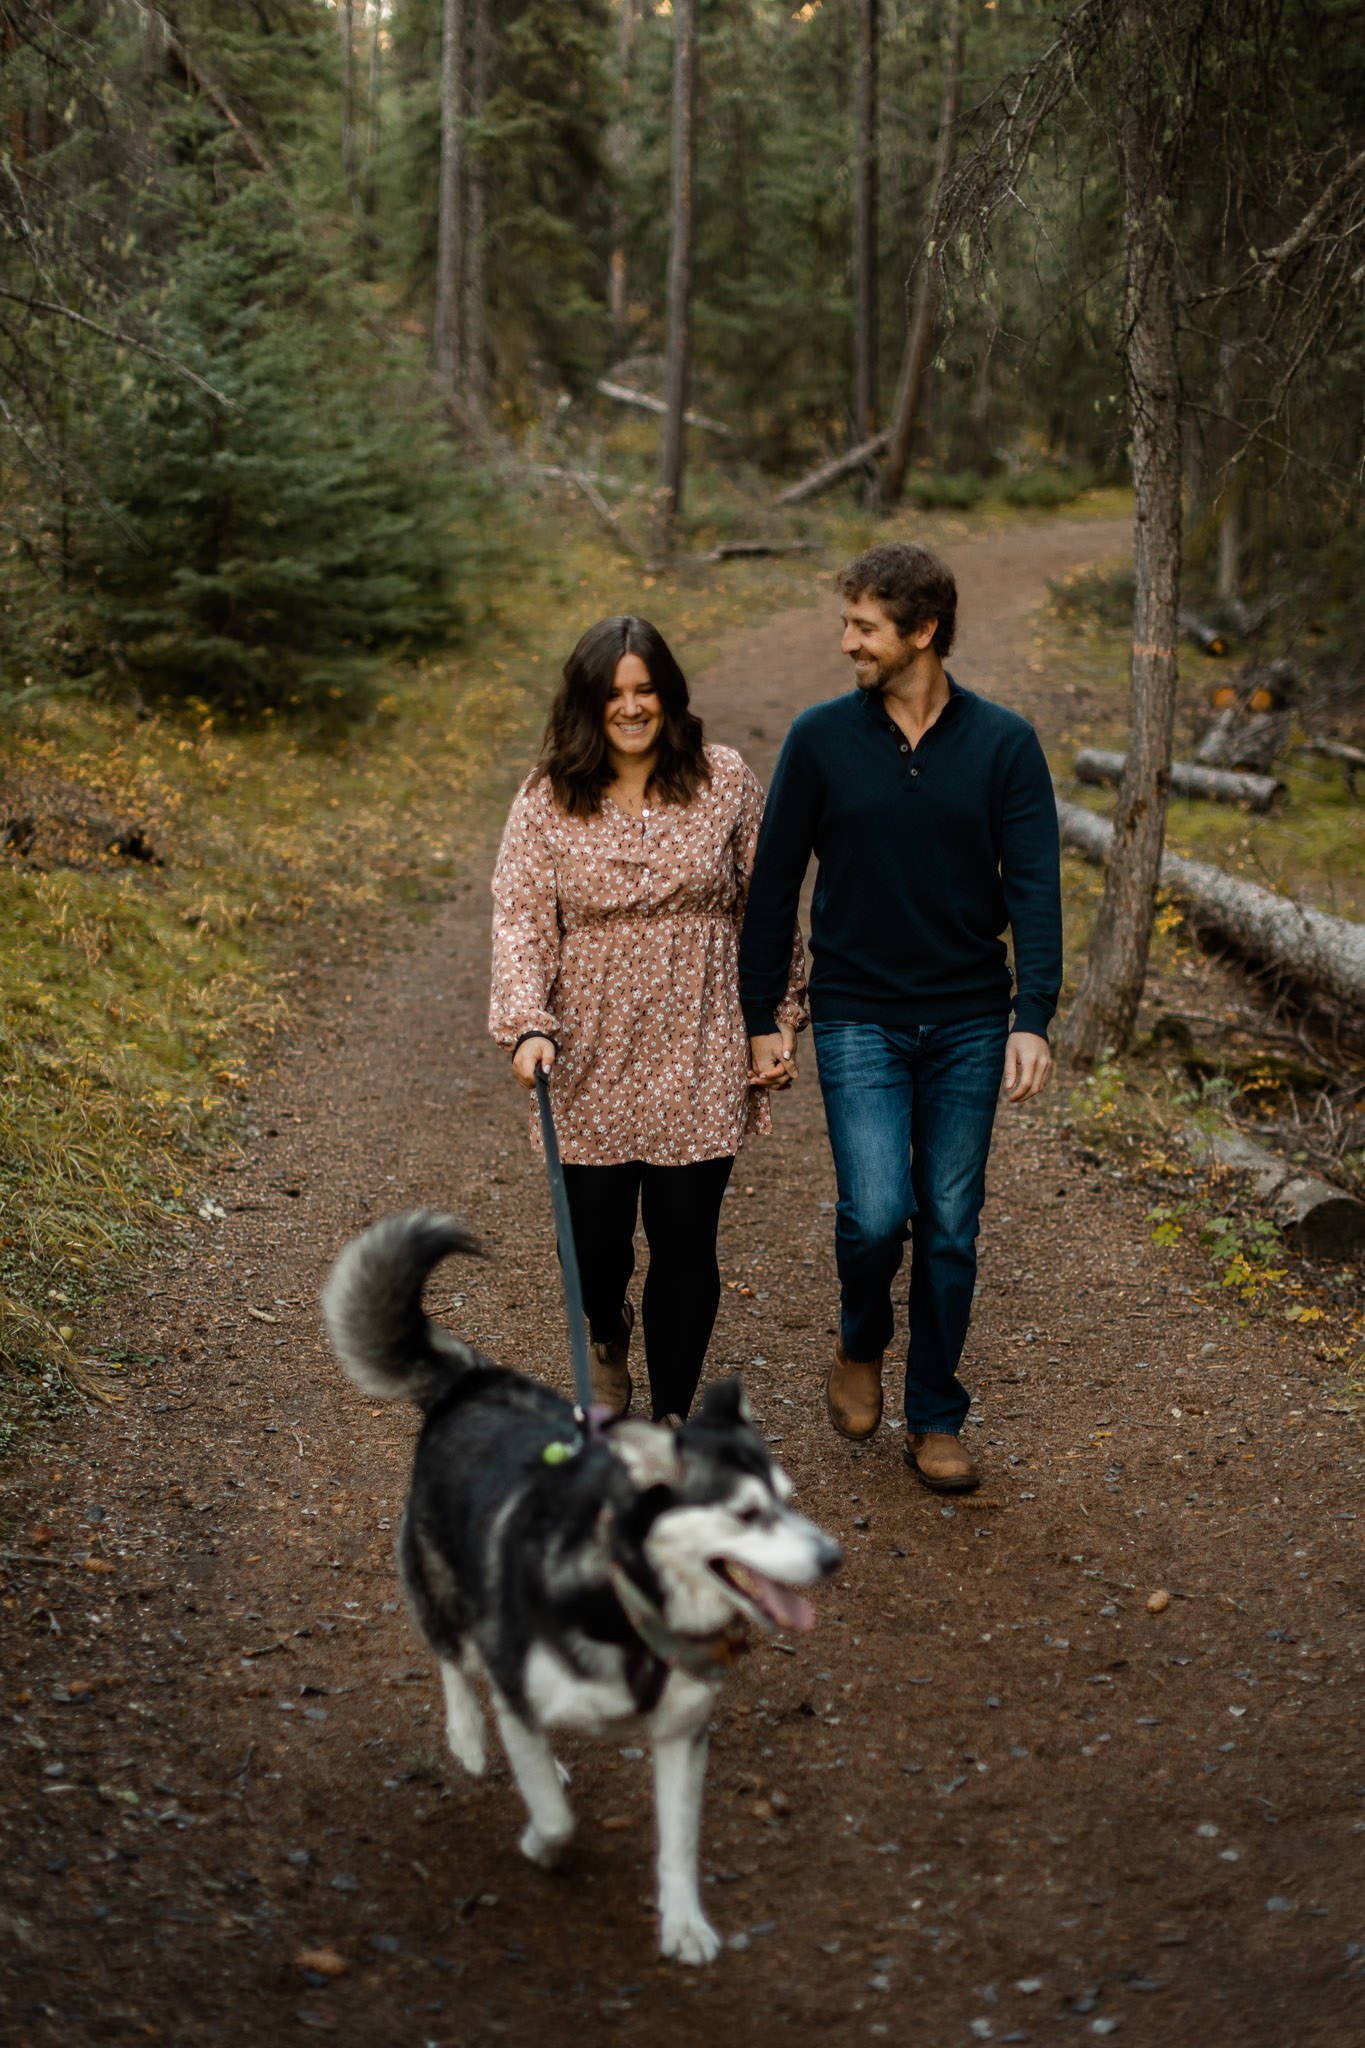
[126, 340]
[1284, 252]
[988, 175]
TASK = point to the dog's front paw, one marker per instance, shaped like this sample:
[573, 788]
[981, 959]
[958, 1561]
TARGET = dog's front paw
[467, 1747]
[545, 1850]
[689, 1939]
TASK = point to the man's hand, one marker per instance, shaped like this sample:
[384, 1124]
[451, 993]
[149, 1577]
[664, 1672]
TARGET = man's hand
[530, 1054]
[772, 1058]
[1028, 1063]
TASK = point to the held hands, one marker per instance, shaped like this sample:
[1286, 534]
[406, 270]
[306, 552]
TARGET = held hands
[530, 1054]
[1028, 1063]
[772, 1059]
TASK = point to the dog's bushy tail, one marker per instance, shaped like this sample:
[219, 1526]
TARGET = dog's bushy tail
[372, 1305]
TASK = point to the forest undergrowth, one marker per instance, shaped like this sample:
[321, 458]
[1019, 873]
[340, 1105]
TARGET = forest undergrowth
[1217, 1046]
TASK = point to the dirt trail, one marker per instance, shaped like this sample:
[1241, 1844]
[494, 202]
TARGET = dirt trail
[992, 1798]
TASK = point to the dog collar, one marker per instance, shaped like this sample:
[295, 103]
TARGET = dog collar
[703, 1657]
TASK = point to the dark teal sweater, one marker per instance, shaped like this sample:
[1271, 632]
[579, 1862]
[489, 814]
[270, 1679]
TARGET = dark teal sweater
[926, 855]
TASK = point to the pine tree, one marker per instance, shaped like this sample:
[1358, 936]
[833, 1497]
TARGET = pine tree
[258, 550]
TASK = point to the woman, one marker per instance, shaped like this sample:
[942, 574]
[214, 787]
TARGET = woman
[618, 895]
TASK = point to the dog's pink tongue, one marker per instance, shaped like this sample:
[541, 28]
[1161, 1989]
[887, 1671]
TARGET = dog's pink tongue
[781, 1605]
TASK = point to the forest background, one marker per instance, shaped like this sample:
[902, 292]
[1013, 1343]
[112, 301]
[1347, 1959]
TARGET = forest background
[306, 313]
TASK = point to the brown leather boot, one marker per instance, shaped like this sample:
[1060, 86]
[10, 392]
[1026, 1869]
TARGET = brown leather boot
[941, 1462]
[853, 1395]
[611, 1387]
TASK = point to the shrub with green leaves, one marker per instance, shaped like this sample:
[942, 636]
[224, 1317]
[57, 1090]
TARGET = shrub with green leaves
[945, 490]
[1042, 490]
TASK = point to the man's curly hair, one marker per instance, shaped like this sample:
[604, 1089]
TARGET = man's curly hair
[911, 586]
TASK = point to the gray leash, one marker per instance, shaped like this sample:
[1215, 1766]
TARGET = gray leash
[568, 1257]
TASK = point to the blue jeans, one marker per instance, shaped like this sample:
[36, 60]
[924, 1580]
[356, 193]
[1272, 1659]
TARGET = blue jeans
[910, 1116]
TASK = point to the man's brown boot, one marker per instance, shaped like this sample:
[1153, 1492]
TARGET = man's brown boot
[611, 1386]
[941, 1462]
[853, 1395]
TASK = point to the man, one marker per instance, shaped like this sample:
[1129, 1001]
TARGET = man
[930, 812]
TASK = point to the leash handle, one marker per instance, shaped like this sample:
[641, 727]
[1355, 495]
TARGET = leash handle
[568, 1256]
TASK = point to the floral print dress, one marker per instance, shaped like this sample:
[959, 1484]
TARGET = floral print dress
[618, 937]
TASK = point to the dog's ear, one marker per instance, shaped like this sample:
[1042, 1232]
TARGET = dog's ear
[649, 1454]
[726, 1402]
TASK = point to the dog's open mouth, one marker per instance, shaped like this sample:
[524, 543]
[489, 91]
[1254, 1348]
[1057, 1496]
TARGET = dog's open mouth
[775, 1605]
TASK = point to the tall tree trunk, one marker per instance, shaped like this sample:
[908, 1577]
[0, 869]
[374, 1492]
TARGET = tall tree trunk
[16, 120]
[618, 283]
[476, 274]
[350, 155]
[1102, 1018]
[1230, 480]
[920, 336]
[373, 110]
[865, 257]
[447, 341]
[1230, 546]
[679, 301]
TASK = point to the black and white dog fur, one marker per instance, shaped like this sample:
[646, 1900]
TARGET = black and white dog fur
[586, 1580]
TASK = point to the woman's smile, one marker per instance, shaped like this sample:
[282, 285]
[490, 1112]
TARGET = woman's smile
[633, 717]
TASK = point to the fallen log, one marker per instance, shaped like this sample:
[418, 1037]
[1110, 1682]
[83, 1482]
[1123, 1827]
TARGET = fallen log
[1319, 1219]
[1219, 785]
[1247, 746]
[1202, 633]
[1316, 951]
[736, 550]
[1248, 619]
[584, 483]
[625, 395]
[830, 473]
[1351, 758]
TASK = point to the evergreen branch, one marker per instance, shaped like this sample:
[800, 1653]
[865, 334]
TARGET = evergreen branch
[200, 79]
[34, 455]
[25, 542]
[126, 340]
[53, 470]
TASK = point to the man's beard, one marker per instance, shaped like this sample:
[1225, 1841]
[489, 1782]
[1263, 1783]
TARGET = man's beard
[879, 675]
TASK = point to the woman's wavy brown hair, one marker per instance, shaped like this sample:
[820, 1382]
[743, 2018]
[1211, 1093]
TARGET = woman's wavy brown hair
[574, 753]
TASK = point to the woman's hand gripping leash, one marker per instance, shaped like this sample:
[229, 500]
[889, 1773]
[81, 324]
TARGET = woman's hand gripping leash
[532, 1056]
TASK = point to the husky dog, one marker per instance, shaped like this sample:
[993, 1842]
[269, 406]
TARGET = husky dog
[586, 1577]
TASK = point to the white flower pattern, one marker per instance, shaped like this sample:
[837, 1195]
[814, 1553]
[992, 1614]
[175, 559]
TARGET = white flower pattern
[618, 937]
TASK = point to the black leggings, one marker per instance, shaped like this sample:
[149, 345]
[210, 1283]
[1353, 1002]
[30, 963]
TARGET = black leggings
[680, 1208]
